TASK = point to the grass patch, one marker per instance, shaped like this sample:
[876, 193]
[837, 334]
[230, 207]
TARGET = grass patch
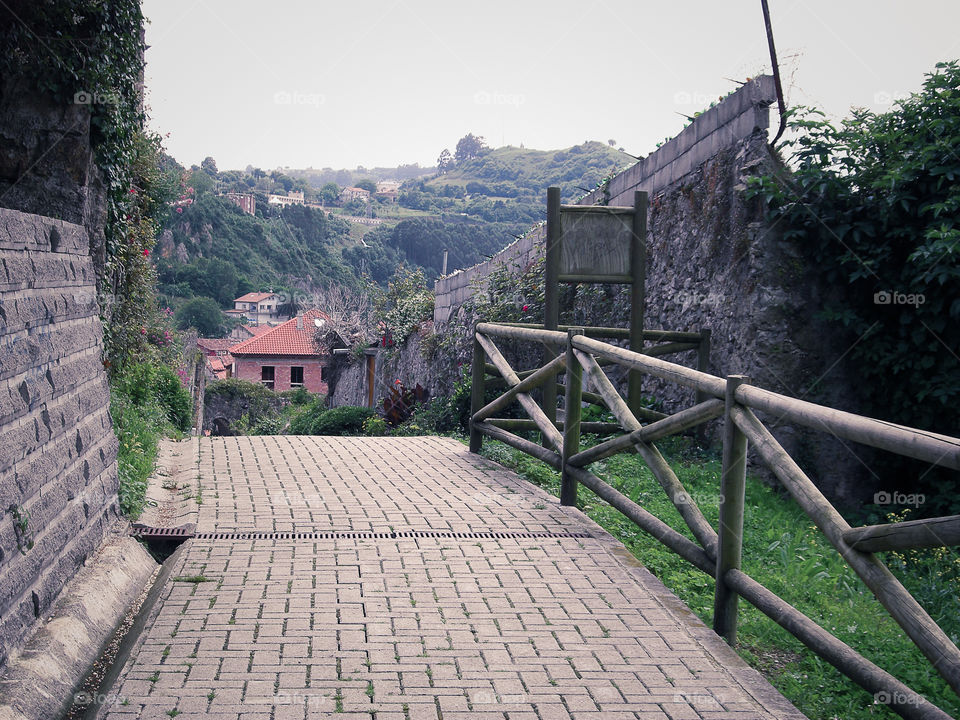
[785, 552]
[139, 428]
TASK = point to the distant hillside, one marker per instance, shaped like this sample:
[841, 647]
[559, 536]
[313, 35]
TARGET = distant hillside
[471, 210]
[214, 249]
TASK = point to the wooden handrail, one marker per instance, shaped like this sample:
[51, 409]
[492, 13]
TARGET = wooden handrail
[716, 555]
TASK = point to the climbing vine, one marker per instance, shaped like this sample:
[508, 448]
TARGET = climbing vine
[90, 53]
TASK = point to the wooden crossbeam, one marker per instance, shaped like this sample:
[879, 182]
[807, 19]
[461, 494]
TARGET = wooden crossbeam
[910, 535]
[671, 425]
[549, 430]
[532, 380]
[901, 605]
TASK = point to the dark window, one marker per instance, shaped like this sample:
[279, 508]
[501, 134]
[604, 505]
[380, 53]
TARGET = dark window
[266, 376]
[296, 377]
[323, 373]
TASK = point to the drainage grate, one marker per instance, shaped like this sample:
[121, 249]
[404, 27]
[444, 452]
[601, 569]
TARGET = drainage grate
[369, 535]
[174, 533]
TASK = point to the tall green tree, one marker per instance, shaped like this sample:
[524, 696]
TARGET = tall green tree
[203, 314]
[468, 147]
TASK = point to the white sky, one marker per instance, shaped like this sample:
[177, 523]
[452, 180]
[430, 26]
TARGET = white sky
[302, 83]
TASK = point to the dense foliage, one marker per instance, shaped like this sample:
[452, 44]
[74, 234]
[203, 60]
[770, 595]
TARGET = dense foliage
[875, 204]
[212, 248]
[316, 419]
[422, 241]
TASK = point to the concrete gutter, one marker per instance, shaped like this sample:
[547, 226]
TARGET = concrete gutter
[39, 682]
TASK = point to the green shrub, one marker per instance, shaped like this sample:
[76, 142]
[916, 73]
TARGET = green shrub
[174, 397]
[300, 396]
[303, 423]
[138, 427]
[233, 388]
[375, 426]
[144, 383]
[344, 420]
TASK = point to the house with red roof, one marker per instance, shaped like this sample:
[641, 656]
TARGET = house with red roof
[216, 355]
[284, 357]
[259, 308]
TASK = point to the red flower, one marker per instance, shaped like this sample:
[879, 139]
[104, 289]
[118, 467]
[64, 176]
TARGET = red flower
[179, 210]
[133, 191]
[146, 253]
[526, 307]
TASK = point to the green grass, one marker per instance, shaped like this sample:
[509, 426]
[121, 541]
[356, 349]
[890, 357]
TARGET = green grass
[139, 428]
[785, 552]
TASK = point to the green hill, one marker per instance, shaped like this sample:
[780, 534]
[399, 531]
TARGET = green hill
[214, 249]
[471, 210]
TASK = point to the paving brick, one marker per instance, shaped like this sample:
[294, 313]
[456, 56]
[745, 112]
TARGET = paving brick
[537, 627]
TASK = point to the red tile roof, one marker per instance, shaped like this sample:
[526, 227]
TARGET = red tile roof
[254, 297]
[215, 344]
[284, 339]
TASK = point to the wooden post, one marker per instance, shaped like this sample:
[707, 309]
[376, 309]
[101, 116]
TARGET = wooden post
[551, 294]
[730, 540]
[638, 271]
[703, 365]
[571, 422]
[477, 391]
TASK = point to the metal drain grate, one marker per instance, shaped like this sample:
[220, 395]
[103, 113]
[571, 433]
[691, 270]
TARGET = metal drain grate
[172, 533]
[369, 535]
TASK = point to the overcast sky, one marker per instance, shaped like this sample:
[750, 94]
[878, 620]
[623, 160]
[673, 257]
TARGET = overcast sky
[340, 84]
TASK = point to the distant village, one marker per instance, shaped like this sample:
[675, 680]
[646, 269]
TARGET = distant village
[387, 190]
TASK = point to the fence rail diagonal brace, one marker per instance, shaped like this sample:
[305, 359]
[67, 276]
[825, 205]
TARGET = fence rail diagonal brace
[901, 605]
[549, 430]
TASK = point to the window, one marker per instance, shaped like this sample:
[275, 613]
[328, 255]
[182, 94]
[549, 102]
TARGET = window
[323, 373]
[296, 377]
[266, 376]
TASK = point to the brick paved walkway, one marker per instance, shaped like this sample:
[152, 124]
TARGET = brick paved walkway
[431, 623]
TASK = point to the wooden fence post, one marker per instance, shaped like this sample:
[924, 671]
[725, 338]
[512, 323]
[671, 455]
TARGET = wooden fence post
[551, 296]
[703, 365]
[638, 294]
[477, 390]
[730, 535]
[571, 420]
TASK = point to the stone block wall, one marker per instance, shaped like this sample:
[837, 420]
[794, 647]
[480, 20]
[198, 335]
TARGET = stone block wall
[58, 472]
[729, 122]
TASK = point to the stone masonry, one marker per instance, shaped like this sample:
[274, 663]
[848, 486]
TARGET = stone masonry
[58, 474]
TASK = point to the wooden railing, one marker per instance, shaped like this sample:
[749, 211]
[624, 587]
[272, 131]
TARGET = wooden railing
[718, 552]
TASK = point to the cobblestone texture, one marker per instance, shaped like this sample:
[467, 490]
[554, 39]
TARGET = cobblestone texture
[428, 627]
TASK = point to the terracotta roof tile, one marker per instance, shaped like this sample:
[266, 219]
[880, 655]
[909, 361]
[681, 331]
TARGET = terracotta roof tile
[284, 339]
[215, 344]
[254, 297]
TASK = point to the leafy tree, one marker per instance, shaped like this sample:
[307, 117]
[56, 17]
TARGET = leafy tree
[445, 162]
[209, 166]
[221, 281]
[200, 182]
[201, 313]
[469, 147]
[875, 205]
[366, 184]
[330, 193]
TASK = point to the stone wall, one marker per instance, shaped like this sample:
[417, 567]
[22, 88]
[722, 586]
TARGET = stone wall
[712, 262]
[454, 290]
[735, 118]
[58, 472]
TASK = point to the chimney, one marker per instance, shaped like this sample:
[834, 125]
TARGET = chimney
[299, 322]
